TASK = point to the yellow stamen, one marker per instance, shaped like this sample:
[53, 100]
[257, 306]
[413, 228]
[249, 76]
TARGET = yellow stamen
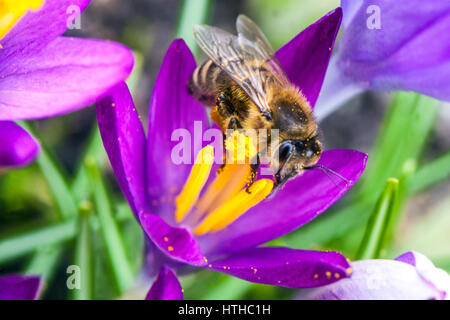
[228, 183]
[12, 10]
[197, 178]
[235, 207]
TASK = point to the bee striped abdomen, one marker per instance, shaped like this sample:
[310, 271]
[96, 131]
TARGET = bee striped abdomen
[203, 82]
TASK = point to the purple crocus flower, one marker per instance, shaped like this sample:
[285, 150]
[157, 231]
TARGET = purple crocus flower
[43, 74]
[410, 276]
[151, 181]
[390, 45]
[19, 287]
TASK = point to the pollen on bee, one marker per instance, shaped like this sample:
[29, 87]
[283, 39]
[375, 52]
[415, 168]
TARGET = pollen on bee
[240, 148]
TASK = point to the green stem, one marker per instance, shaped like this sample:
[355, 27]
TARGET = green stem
[399, 201]
[374, 237]
[83, 259]
[113, 241]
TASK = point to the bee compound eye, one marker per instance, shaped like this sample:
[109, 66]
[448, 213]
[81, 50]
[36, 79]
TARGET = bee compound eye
[299, 145]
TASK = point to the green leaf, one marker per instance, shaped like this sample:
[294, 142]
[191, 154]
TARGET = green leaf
[192, 12]
[27, 242]
[403, 135]
[374, 237]
[230, 288]
[134, 241]
[45, 261]
[81, 187]
[431, 173]
[207, 285]
[112, 238]
[56, 180]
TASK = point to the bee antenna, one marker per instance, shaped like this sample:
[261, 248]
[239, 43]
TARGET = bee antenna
[327, 171]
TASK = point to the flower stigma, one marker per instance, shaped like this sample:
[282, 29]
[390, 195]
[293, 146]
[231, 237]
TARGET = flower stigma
[225, 199]
[12, 10]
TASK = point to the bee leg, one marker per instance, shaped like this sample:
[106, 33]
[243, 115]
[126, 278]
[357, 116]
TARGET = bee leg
[254, 167]
[219, 170]
[233, 125]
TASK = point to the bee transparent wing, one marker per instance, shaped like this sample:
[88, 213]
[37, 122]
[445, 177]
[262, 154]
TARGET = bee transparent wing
[250, 33]
[247, 58]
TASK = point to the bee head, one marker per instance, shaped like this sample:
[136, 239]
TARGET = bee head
[295, 155]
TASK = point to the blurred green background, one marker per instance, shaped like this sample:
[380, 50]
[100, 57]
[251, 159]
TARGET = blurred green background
[67, 208]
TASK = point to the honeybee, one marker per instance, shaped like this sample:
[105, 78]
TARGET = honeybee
[247, 88]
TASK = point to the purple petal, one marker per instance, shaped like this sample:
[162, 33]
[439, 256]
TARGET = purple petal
[67, 74]
[39, 27]
[17, 146]
[124, 140]
[410, 51]
[285, 267]
[349, 9]
[375, 280]
[305, 58]
[177, 243]
[300, 201]
[435, 277]
[17, 287]
[165, 287]
[407, 257]
[171, 107]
